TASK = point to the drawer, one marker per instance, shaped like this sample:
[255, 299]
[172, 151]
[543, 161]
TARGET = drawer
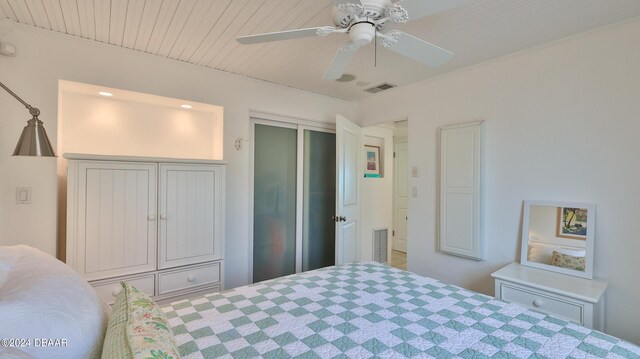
[109, 291]
[541, 301]
[188, 278]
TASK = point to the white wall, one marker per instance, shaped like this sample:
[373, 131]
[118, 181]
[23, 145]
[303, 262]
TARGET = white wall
[45, 57]
[376, 208]
[562, 123]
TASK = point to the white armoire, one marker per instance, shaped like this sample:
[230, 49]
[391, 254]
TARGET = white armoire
[156, 223]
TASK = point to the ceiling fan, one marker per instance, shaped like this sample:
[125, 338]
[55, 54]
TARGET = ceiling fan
[363, 21]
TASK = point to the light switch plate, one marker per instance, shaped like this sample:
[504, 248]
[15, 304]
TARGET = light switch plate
[414, 192]
[23, 195]
[414, 171]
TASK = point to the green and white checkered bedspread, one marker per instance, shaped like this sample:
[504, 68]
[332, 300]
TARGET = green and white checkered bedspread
[366, 310]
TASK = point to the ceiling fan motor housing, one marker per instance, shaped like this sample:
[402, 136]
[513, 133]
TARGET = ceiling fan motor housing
[373, 9]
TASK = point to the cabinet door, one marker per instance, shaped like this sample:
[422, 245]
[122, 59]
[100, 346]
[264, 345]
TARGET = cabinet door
[460, 166]
[116, 227]
[191, 218]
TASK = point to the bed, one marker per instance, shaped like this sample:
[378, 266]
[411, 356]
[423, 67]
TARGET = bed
[366, 310]
[359, 310]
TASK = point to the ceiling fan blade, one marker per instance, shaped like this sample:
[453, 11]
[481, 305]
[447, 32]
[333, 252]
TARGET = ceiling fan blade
[421, 8]
[340, 62]
[284, 35]
[416, 49]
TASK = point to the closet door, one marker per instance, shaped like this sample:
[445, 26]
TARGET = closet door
[190, 208]
[116, 216]
[274, 201]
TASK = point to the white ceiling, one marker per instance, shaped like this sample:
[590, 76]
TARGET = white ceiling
[202, 32]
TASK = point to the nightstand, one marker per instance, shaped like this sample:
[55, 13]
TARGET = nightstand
[571, 298]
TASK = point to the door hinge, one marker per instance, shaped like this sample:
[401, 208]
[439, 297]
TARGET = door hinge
[394, 155]
[393, 233]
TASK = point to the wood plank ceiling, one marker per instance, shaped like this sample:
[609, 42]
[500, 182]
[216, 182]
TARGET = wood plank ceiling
[202, 32]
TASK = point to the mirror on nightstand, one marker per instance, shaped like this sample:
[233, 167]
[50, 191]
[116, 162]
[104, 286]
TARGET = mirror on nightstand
[558, 237]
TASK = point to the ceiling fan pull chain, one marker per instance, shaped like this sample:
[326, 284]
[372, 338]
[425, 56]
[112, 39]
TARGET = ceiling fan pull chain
[375, 48]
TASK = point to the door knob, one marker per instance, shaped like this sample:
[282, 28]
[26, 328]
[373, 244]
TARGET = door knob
[163, 216]
[151, 218]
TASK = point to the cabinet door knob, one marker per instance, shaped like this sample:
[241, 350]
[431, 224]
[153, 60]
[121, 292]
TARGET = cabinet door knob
[163, 216]
[115, 292]
[537, 303]
[190, 278]
[151, 218]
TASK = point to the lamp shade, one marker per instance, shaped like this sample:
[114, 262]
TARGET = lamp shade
[34, 140]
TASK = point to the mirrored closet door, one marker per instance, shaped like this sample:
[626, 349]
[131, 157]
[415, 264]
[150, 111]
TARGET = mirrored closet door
[294, 191]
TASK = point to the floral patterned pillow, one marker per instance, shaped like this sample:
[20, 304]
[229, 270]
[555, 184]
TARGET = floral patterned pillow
[138, 329]
[567, 261]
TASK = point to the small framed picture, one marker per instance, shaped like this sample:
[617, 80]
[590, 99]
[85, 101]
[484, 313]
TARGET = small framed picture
[373, 160]
[572, 223]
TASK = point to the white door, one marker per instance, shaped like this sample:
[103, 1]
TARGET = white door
[400, 197]
[190, 230]
[348, 153]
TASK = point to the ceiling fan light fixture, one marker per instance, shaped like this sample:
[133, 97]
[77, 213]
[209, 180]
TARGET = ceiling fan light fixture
[362, 33]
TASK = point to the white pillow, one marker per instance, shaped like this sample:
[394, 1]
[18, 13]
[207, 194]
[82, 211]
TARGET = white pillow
[43, 298]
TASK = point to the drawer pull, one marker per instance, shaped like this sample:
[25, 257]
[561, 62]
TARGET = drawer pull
[115, 292]
[190, 278]
[537, 303]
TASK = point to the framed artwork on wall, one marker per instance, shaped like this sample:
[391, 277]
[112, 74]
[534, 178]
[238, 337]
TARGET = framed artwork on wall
[373, 160]
[572, 223]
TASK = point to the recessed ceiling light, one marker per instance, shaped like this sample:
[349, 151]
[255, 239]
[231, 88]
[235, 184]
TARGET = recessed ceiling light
[107, 94]
[186, 106]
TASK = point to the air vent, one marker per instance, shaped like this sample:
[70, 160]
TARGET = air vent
[379, 88]
[380, 238]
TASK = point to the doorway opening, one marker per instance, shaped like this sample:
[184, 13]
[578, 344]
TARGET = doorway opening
[385, 193]
[400, 194]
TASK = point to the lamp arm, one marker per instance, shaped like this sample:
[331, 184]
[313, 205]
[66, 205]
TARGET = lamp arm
[32, 110]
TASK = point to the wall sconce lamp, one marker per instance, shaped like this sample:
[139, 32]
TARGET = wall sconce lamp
[34, 140]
